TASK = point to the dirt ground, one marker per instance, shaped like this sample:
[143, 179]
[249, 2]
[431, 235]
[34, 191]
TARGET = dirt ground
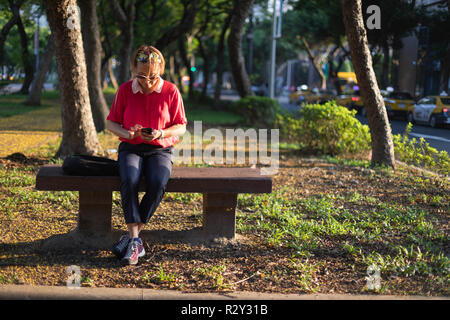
[247, 263]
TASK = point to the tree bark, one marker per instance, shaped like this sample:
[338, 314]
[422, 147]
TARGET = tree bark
[380, 130]
[93, 50]
[241, 10]
[34, 97]
[78, 128]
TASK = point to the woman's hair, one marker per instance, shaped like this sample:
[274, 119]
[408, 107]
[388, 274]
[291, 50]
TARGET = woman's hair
[155, 57]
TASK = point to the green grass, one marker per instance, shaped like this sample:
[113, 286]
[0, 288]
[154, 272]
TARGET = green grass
[213, 117]
[365, 234]
[13, 104]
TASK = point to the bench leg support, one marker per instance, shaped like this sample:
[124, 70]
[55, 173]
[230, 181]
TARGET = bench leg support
[95, 212]
[219, 214]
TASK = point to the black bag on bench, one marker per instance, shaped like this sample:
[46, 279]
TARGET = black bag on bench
[82, 165]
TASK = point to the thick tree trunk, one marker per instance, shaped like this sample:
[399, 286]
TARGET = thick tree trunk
[382, 145]
[78, 128]
[34, 98]
[241, 10]
[220, 61]
[92, 51]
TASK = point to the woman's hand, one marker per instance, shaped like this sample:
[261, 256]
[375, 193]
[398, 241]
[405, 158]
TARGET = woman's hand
[149, 137]
[136, 131]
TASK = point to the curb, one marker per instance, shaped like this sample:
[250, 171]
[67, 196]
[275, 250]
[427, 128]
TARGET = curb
[28, 292]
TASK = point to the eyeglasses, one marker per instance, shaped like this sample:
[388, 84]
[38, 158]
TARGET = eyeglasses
[148, 78]
[144, 57]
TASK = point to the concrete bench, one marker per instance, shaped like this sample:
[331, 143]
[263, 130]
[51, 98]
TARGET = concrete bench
[219, 186]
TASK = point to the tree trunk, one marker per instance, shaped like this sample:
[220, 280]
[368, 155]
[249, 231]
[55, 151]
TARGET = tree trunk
[8, 26]
[26, 57]
[78, 128]
[125, 18]
[184, 57]
[111, 75]
[317, 67]
[382, 145]
[93, 50]
[445, 73]
[385, 72]
[34, 98]
[220, 61]
[241, 10]
[205, 57]
[182, 28]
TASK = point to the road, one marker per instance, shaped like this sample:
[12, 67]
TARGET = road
[438, 138]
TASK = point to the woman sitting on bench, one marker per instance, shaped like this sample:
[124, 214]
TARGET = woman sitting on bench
[148, 116]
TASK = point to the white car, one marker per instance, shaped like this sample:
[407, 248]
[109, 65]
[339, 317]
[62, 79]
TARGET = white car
[433, 110]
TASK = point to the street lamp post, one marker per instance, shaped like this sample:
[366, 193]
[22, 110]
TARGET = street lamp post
[276, 33]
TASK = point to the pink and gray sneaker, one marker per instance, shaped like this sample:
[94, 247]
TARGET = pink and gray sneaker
[134, 251]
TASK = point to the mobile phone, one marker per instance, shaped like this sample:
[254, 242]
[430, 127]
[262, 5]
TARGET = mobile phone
[147, 130]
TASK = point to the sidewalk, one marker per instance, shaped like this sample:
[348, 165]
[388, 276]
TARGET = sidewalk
[27, 292]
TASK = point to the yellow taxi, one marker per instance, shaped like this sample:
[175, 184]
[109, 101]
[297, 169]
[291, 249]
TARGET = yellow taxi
[432, 110]
[351, 101]
[299, 96]
[398, 103]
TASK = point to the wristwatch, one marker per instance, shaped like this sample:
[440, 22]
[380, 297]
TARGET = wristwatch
[162, 134]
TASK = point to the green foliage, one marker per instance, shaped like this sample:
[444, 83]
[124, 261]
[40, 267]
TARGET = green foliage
[257, 111]
[327, 129]
[420, 154]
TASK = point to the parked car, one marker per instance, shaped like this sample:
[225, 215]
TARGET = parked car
[351, 101]
[398, 103]
[300, 95]
[433, 110]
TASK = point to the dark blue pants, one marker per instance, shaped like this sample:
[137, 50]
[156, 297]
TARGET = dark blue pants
[154, 163]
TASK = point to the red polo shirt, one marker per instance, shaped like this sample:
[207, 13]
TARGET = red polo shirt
[155, 110]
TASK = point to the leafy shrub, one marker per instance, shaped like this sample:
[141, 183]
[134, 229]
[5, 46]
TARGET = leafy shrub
[327, 129]
[257, 111]
[420, 154]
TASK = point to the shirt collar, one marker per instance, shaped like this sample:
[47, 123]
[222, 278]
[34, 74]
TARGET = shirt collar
[136, 87]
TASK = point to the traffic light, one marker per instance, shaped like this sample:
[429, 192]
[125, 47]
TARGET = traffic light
[193, 69]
